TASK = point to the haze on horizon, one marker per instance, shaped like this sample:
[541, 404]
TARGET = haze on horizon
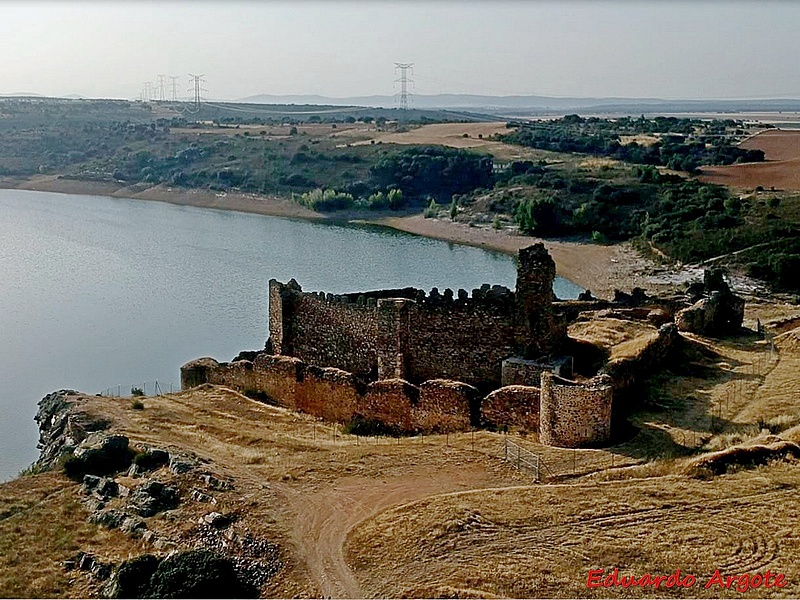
[655, 49]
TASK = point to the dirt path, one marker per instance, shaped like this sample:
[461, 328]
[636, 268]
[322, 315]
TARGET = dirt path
[325, 517]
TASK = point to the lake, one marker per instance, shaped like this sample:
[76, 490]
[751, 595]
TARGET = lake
[103, 293]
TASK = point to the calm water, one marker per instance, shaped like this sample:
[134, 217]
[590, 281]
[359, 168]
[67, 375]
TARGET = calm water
[98, 292]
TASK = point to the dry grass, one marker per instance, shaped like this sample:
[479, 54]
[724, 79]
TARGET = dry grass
[642, 140]
[444, 515]
[42, 524]
[541, 541]
[620, 337]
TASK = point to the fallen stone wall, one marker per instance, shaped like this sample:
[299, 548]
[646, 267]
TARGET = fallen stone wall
[626, 373]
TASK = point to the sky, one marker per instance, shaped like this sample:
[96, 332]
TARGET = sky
[570, 48]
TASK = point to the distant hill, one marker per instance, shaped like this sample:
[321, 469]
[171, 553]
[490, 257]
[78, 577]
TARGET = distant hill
[532, 105]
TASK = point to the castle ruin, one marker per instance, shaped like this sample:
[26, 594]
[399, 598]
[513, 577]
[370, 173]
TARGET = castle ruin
[434, 362]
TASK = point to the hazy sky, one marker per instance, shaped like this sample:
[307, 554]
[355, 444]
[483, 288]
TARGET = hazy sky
[660, 48]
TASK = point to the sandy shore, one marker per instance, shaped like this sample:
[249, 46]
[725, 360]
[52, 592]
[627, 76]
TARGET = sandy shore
[600, 269]
[241, 202]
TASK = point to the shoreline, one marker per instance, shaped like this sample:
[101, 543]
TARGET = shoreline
[598, 268]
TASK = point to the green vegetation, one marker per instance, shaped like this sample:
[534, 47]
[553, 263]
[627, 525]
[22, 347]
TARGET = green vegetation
[680, 144]
[602, 200]
[684, 218]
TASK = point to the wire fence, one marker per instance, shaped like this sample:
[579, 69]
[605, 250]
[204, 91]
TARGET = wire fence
[140, 389]
[522, 459]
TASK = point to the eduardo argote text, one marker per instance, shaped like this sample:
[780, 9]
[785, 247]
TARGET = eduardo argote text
[598, 578]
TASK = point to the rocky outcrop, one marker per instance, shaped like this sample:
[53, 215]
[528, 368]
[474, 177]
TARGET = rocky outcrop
[61, 427]
[153, 497]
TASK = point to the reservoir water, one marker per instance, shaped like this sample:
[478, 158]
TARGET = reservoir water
[99, 292]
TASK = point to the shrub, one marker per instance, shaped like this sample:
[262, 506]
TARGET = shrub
[198, 574]
[137, 405]
[432, 210]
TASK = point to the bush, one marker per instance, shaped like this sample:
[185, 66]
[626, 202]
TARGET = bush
[198, 574]
[322, 200]
[137, 405]
[137, 391]
[369, 427]
[191, 574]
[432, 210]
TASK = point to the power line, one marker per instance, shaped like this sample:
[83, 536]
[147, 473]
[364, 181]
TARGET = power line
[175, 79]
[197, 80]
[404, 81]
[161, 94]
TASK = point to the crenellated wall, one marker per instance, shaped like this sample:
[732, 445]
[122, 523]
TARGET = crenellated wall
[407, 333]
[427, 355]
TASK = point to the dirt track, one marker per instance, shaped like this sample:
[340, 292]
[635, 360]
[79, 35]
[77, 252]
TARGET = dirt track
[324, 518]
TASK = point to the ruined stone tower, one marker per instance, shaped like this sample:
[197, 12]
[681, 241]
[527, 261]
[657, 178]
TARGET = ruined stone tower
[537, 330]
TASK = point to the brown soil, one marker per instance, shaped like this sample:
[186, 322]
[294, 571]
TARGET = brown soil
[780, 171]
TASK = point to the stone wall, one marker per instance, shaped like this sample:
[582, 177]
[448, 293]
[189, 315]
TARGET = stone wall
[434, 335]
[445, 405]
[462, 340]
[325, 330]
[514, 406]
[407, 333]
[390, 402]
[329, 393]
[575, 414]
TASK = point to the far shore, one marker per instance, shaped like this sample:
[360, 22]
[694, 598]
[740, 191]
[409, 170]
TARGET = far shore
[598, 268]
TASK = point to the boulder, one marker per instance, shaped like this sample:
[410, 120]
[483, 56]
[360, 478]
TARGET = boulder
[153, 497]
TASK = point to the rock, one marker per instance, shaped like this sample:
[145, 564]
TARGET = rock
[102, 487]
[111, 518]
[62, 427]
[199, 496]
[217, 520]
[133, 525]
[151, 459]
[181, 464]
[101, 570]
[99, 453]
[85, 562]
[153, 497]
[90, 482]
[215, 483]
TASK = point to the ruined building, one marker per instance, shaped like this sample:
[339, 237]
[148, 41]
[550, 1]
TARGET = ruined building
[412, 361]
[408, 334]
